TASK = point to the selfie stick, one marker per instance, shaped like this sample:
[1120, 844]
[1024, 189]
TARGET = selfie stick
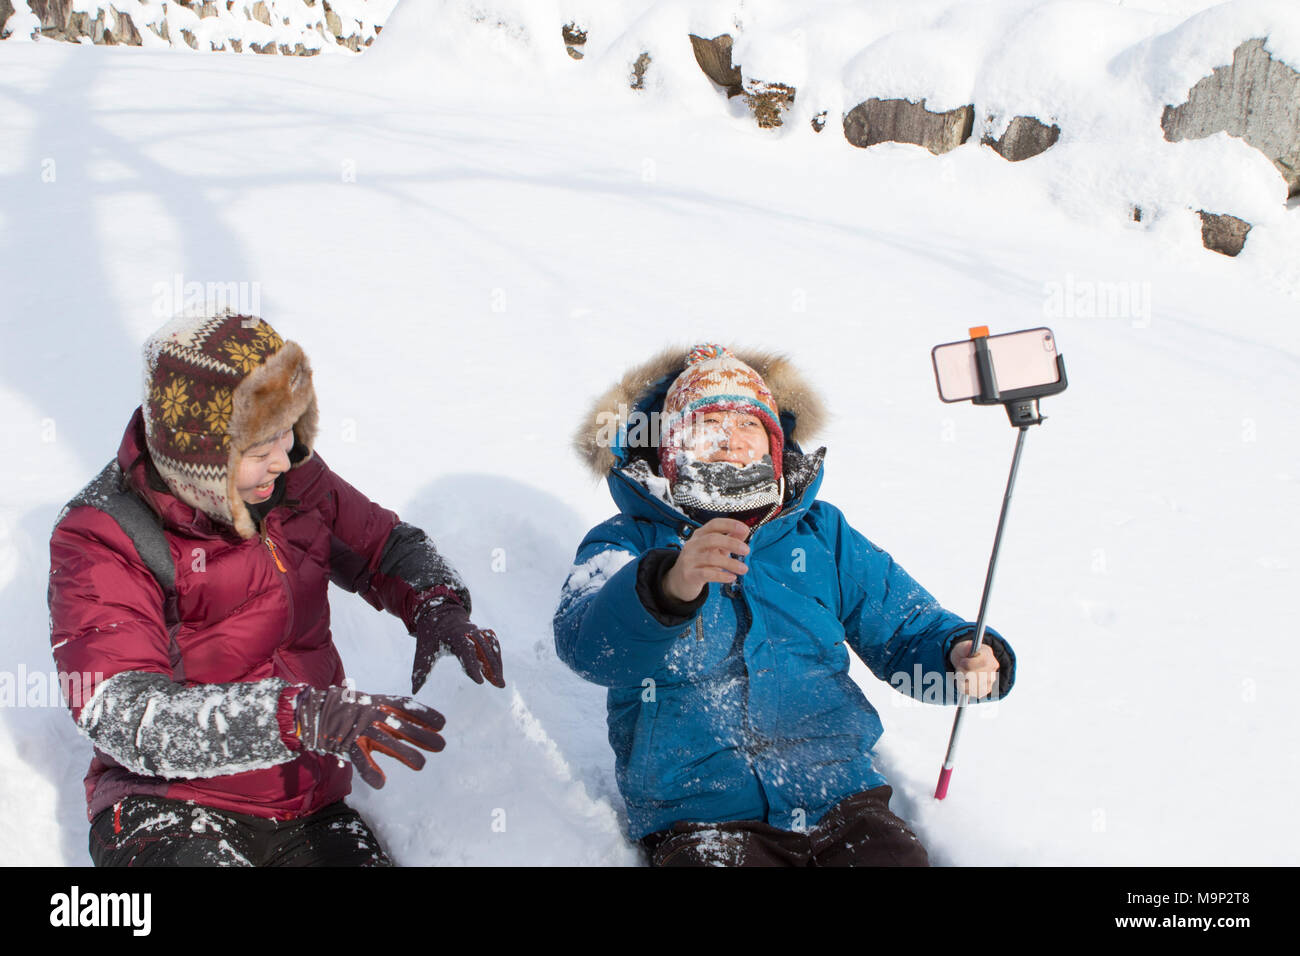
[1022, 410]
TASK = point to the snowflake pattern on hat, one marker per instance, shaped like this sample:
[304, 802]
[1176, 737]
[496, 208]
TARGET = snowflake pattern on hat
[194, 367]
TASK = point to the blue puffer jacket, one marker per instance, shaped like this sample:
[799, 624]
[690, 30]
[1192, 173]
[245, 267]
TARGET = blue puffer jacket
[745, 709]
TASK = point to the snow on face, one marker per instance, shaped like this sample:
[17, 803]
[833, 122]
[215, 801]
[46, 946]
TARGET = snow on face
[734, 437]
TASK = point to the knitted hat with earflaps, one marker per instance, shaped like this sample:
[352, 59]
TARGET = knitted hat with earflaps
[715, 380]
[216, 386]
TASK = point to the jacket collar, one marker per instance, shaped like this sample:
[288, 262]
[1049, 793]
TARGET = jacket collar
[634, 497]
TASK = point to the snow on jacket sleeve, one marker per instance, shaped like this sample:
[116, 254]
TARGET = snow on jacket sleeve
[108, 629]
[603, 628]
[898, 629]
[155, 726]
[394, 566]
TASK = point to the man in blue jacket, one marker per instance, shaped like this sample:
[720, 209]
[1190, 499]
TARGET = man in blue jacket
[717, 606]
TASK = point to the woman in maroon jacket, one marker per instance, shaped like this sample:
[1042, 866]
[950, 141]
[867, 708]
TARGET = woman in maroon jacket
[189, 581]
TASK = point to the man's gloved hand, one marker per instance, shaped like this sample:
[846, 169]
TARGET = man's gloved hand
[350, 725]
[447, 628]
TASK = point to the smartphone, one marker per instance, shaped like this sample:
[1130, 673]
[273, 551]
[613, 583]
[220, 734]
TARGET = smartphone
[1025, 359]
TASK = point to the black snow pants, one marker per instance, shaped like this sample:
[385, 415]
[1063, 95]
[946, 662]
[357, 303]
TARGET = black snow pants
[858, 831]
[153, 831]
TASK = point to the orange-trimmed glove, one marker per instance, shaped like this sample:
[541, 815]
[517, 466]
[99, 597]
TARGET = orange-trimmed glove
[447, 629]
[352, 725]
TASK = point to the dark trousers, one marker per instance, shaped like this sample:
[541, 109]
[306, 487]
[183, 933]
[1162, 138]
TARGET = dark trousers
[152, 831]
[858, 831]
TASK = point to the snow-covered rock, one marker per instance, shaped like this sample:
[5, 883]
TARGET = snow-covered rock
[1025, 136]
[300, 27]
[1255, 97]
[904, 121]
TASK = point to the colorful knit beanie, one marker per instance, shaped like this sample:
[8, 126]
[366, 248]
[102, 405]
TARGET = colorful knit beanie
[214, 387]
[715, 380]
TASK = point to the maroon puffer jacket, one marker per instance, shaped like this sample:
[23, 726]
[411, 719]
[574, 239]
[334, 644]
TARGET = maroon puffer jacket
[246, 610]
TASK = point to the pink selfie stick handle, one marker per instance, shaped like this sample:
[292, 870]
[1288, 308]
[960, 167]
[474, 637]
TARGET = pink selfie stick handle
[950, 758]
[941, 790]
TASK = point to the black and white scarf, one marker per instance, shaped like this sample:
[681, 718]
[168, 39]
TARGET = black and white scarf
[721, 488]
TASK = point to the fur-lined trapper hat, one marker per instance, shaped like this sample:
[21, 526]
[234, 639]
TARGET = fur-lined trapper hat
[216, 386]
[642, 390]
[715, 380]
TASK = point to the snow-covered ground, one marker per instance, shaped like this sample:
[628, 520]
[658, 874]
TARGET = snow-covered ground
[472, 234]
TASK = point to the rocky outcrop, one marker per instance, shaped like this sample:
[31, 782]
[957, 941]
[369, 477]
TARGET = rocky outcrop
[768, 101]
[119, 28]
[903, 121]
[53, 14]
[639, 70]
[1255, 97]
[714, 58]
[262, 26]
[765, 99]
[1025, 136]
[1223, 233]
[574, 39]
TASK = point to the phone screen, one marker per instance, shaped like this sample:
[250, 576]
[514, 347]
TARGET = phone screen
[1020, 360]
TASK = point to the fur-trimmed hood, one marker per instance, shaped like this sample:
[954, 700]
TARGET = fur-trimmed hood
[643, 387]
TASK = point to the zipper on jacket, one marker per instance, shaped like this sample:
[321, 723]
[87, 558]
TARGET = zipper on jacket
[284, 582]
[274, 555]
